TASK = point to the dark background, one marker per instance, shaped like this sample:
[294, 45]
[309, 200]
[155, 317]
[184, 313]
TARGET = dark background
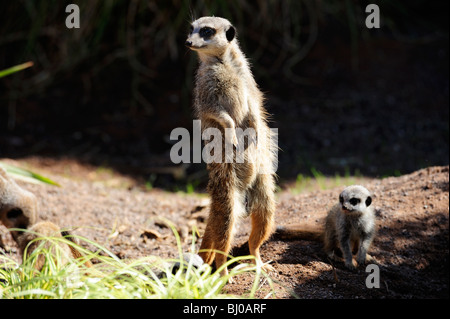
[346, 99]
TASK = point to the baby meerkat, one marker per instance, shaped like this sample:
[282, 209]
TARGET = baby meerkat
[349, 227]
[227, 98]
[19, 209]
[29, 240]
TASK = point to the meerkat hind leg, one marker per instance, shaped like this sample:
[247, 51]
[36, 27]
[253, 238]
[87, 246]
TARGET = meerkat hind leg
[330, 244]
[219, 229]
[207, 252]
[217, 239]
[262, 209]
[355, 245]
[347, 253]
[260, 232]
[362, 256]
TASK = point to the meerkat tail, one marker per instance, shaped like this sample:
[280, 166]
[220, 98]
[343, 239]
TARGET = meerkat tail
[298, 232]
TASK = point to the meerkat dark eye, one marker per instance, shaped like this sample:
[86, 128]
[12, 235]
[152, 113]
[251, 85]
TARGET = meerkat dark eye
[206, 32]
[230, 33]
[341, 199]
[368, 201]
[354, 201]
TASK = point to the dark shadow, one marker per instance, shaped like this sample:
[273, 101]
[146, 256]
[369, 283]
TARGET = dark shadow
[373, 102]
[418, 269]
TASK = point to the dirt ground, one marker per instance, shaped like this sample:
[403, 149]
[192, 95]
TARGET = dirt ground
[411, 247]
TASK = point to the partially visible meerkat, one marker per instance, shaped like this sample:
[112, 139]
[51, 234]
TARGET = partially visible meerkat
[18, 207]
[226, 97]
[19, 211]
[349, 227]
[29, 241]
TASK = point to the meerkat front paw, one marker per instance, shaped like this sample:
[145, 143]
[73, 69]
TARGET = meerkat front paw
[370, 259]
[351, 265]
[267, 268]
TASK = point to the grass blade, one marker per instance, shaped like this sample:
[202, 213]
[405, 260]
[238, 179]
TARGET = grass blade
[16, 68]
[27, 175]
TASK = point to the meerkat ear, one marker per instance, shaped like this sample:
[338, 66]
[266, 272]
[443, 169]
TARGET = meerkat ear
[368, 201]
[230, 33]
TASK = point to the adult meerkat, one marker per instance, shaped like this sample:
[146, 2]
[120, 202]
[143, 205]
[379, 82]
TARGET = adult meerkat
[349, 227]
[29, 241]
[227, 98]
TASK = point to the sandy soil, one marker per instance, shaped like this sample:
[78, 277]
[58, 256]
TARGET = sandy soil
[411, 247]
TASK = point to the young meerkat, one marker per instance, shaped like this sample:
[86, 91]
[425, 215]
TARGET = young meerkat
[227, 98]
[19, 209]
[349, 227]
[29, 240]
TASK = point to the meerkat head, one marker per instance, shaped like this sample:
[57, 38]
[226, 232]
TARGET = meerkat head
[210, 35]
[355, 199]
[18, 207]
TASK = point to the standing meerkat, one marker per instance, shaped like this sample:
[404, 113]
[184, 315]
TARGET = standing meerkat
[227, 98]
[349, 227]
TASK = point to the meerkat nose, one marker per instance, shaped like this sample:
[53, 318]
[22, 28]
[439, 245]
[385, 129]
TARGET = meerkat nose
[188, 43]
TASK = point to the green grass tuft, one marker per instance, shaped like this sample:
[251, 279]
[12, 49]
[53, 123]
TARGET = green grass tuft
[112, 278]
[319, 181]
